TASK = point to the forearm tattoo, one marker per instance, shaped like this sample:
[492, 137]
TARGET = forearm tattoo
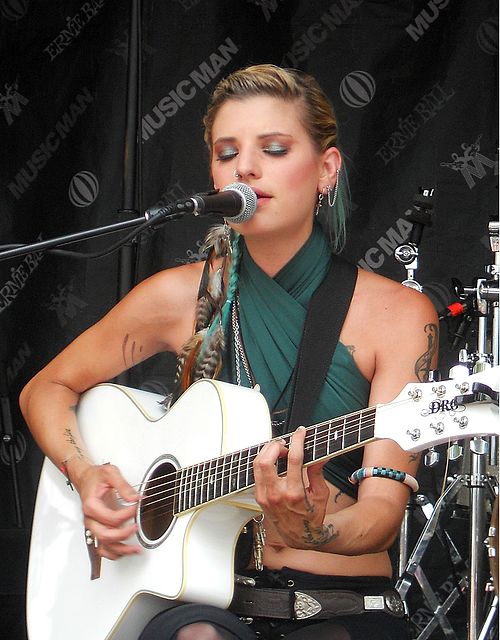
[319, 536]
[423, 364]
[68, 434]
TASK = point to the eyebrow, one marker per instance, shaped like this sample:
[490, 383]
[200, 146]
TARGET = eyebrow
[260, 137]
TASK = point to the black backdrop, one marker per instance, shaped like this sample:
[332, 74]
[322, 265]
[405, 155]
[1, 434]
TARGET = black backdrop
[414, 85]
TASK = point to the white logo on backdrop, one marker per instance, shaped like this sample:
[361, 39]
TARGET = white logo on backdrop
[357, 89]
[83, 189]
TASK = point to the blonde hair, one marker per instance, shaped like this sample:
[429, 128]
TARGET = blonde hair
[317, 115]
[287, 84]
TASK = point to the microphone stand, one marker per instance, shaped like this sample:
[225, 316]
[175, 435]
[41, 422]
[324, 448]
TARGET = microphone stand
[127, 261]
[166, 214]
[9, 440]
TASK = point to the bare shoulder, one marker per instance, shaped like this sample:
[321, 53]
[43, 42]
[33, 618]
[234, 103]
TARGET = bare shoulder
[163, 305]
[177, 286]
[387, 300]
[393, 332]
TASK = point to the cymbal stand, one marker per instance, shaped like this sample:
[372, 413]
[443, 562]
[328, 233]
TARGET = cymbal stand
[407, 255]
[482, 449]
[414, 570]
[477, 480]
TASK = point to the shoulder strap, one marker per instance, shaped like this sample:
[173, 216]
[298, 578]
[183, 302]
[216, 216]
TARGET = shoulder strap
[324, 319]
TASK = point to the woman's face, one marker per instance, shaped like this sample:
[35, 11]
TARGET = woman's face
[263, 140]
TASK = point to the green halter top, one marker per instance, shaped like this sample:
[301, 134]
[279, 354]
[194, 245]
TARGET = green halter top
[271, 317]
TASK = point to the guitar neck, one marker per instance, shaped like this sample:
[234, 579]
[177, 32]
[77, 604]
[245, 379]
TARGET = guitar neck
[233, 472]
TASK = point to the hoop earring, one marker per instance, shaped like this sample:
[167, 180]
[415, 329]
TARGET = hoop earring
[333, 200]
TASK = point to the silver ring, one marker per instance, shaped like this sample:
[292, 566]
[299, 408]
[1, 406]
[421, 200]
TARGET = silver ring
[90, 538]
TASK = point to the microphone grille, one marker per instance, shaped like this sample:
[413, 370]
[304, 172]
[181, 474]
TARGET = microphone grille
[249, 201]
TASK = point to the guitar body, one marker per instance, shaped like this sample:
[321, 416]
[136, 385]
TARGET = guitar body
[194, 469]
[193, 560]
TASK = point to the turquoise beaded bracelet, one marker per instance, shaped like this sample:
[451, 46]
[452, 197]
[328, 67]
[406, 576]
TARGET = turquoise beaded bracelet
[384, 472]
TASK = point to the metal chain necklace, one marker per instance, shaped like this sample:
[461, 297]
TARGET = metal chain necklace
[240, 356]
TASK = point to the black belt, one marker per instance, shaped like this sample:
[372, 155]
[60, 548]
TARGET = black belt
[256, 602]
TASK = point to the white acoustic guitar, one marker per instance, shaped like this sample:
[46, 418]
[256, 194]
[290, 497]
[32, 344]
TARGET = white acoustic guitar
[194, 467]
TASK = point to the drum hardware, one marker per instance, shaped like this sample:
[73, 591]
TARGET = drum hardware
[413, 570]
[479, 481]
[407, 253]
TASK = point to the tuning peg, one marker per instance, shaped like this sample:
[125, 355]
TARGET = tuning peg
[431, 458]
[455, 451]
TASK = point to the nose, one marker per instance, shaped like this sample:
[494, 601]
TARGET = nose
[248, 164]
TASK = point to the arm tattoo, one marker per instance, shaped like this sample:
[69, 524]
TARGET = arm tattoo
[132, 351]
[413, 457]
[423, 363]
[318, 536]
[72, 440]
[124, 345]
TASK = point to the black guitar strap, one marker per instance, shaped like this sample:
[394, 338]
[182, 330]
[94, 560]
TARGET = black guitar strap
[324, 319]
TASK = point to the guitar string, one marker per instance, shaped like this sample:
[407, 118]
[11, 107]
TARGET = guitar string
[165, 505]
[344, 425]
[322, 439]
[189, 484]
[231, 467]
[194, 491]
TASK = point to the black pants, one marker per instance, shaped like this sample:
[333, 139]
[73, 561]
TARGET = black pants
[372, 625]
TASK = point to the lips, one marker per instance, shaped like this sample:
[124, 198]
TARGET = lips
[261, 195]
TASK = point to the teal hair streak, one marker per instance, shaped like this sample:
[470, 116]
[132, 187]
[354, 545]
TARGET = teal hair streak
[334, 218]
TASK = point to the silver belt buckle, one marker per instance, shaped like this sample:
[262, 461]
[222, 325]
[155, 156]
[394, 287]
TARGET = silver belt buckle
[305, 606]
[374, 603]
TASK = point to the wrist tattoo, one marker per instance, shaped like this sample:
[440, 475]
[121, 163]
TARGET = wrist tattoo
[318, 536]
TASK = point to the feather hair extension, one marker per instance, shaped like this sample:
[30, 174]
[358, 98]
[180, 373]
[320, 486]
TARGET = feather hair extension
[212, 355]
[204, 311]
[201, 354]
[218, 238]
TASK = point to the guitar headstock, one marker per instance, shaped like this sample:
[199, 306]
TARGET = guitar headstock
[426, 414]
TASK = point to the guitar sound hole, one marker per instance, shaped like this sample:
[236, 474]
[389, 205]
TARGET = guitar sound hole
[156, 509]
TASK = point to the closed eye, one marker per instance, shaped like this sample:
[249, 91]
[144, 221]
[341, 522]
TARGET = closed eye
[276, 149]
[226, 154]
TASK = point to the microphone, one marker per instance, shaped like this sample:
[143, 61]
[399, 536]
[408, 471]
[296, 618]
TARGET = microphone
[237, 203]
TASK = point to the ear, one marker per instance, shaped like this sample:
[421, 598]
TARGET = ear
[331, 162]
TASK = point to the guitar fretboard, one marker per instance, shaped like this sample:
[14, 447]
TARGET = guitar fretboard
[233, 472]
